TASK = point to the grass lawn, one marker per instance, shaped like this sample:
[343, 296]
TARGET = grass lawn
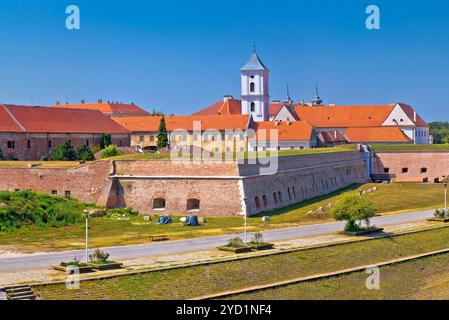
[240, 155]
[426, 278]
[41, 164]
[410, 147]
[112, 231]
[208, 279]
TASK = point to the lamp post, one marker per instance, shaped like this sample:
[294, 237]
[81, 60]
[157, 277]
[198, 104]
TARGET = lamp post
[246, 220]
[86, 213]
[445, 196]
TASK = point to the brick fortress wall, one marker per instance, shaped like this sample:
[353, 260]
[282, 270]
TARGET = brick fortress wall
[219, 187]
[416, 166]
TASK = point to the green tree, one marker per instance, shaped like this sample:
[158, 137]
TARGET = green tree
[84, 153]
[162, 136]
[353, 208]
[440, 132]
[1, 154]
[110, 151]
[106, 140]
[63, 152]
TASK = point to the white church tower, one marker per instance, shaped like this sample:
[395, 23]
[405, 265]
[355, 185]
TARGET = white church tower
[255, 96]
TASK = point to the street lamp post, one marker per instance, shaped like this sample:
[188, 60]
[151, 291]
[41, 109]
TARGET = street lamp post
[445, 196]
[86, 213]
[246, 220]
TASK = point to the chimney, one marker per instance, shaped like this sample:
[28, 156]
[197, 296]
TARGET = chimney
[414, 115]
[100, 101]
[227, 97]
[82, 101]
[277, 123]
[287, 123]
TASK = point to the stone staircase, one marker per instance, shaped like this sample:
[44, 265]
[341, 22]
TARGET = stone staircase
[19, 292]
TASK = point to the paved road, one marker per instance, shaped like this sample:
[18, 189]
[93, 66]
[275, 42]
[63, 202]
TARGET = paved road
[142, 250]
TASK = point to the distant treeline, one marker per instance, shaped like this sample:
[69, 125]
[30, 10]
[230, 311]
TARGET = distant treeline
[440, 132]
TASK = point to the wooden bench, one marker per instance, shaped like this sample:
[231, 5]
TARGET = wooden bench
[161, 237]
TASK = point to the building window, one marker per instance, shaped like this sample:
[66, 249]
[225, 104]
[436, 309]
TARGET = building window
[386, 170]
[151, 138]
[423, 170]
[11, 144]
[252, 87]
[49, 144]
[28, 144]
[141, 138]
[120, 143]
[193, 204]
[159, 204]
[280, 196]
[294, 192]
[265, 201]
[252, 107]
[87, 142]
[404, 170]
[195, 137]
[256, 199]
[67, 194]
[289, 194]
[55, 192]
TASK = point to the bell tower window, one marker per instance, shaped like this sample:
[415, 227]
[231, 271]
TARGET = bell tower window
[252, 107]
[252, 87]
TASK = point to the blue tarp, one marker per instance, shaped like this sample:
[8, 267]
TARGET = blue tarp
[164, 220]
[192, 221]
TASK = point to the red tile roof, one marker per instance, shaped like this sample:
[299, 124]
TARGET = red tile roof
[227, 106]
[409, 111]
[207, 122]
[287, 131]
[344, 116]
[377, 134]
[108, 108]
[55, 120]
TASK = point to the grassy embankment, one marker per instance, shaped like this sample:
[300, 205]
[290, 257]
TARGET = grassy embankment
[116, 230]
[426, 278]
[410, 147]
[209, 279]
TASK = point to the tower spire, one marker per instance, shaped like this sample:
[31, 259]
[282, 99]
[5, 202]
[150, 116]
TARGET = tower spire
[317, 101]
[288, 98]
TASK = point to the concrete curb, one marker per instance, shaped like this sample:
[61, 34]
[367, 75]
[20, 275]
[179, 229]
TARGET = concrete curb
[239, 258]
[319, 276]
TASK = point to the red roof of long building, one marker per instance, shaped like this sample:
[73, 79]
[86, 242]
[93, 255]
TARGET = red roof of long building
[55, 120]
[207, 122]
[108, 108]
[377, 134]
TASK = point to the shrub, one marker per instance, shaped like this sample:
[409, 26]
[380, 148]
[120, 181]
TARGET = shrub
[257, 238]
[110, 151]
[352, 208]
[235, 243]
[441, 214]
[84, 153]
[99, 256]
[96, 148]
[25, 208]
[63, 152]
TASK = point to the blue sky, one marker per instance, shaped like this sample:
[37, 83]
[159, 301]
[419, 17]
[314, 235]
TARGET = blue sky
[182, 56]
